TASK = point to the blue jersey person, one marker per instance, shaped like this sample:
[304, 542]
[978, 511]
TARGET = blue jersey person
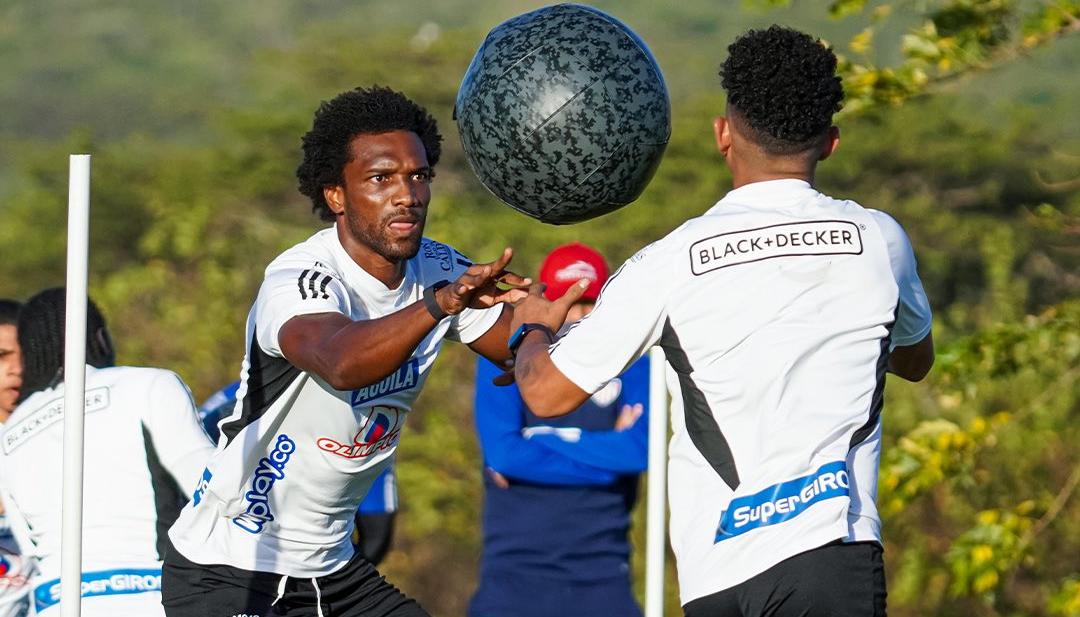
[559, 491]
[376, 514]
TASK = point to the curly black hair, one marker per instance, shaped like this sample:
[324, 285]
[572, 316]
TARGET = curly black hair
[351, 113]
[783, 83]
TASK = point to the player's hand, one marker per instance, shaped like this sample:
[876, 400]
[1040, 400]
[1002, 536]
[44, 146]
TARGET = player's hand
[497, 478]
[628, 416]
[535, 308]
[483, 286]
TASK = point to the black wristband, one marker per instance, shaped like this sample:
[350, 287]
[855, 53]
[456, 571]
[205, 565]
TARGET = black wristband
[431, 304]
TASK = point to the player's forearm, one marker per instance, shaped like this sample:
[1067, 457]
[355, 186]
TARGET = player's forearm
[546, 391]
[351, 354]
[913, 362]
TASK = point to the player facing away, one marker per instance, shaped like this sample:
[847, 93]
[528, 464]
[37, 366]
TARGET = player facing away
[340, 339]
[780, 310]
[144, 451]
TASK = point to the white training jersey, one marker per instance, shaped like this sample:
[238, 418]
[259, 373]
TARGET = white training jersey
[297, 456]
[16, 569]
[776, 310]
[144, 451]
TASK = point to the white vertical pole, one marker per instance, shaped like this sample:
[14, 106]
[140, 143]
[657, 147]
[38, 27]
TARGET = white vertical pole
[656, 520]
[78, 249]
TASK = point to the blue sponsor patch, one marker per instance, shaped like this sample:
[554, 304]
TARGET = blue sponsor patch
[101, 583]
[201, 488]
[405, 377]
[271, 469]
[783, 501]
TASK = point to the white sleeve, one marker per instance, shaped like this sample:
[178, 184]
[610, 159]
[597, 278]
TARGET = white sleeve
[291, 291]
[20, 529]
[181, 444]
[471, 324]
[913, 315]
[628, 319]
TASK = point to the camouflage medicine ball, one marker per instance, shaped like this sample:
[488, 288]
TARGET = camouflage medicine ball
[564, 114]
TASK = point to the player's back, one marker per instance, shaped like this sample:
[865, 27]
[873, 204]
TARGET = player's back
[144, 449]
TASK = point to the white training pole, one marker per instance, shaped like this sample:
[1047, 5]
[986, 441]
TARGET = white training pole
[656, 520]
[78, 249]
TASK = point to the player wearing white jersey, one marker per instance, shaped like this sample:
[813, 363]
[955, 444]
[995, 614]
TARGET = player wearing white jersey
[341, 338]
[780, 311]
[15, 569]
[144, 452]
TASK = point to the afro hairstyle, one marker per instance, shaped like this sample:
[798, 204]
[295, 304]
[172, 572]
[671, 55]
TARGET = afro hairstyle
[783, 84]
[351, 113]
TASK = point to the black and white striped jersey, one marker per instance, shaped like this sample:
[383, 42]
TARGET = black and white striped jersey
[776, 310]
[296, 456]
[144, 452]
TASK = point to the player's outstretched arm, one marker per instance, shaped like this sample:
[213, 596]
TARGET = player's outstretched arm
[546, 391]
[351, 354]
[913, 362]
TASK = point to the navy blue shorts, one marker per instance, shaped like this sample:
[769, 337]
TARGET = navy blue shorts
[510, 596]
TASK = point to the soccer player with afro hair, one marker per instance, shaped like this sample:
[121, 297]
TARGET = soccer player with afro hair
[780, 310]
[340, 339]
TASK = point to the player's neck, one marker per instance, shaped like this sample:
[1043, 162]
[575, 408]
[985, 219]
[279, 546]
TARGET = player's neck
[389, 273]
[744, 179]
[772, 169]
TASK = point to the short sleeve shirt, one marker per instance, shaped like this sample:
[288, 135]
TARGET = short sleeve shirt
[144, 452]
[776, 311]
[297, 456]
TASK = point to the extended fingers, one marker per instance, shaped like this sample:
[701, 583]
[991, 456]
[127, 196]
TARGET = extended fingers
[504, 260]
[573, 294]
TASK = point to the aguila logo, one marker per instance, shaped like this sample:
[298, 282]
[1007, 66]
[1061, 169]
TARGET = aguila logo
[379, 431]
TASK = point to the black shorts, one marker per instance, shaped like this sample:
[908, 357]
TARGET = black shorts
[357, 590]
[835, 580]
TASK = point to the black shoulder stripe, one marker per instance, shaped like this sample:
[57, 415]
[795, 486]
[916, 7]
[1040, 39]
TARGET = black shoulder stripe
[322, 287]
[311, 282]
[300, 284]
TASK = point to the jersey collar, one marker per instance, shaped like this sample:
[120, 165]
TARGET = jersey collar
[359, 277]
[770, 193]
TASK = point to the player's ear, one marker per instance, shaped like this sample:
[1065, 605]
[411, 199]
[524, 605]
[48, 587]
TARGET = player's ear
[832, 142]
[335, 198]
[722, 132]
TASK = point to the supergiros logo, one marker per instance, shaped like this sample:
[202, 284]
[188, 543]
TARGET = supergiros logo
[270, 470]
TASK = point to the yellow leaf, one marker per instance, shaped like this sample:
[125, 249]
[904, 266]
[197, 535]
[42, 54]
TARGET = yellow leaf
[981, 554]
[860, 43]
[988, 517]
[985, 581]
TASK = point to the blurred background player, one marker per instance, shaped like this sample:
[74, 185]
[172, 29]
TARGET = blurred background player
[374, 518]
[14, 569]
[10, 360]
[144, 452]
[559, 491]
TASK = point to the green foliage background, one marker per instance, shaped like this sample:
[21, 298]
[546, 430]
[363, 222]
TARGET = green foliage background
[961, 122]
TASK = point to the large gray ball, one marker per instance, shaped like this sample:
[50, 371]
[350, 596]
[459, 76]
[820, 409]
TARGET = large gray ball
[564, 114]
